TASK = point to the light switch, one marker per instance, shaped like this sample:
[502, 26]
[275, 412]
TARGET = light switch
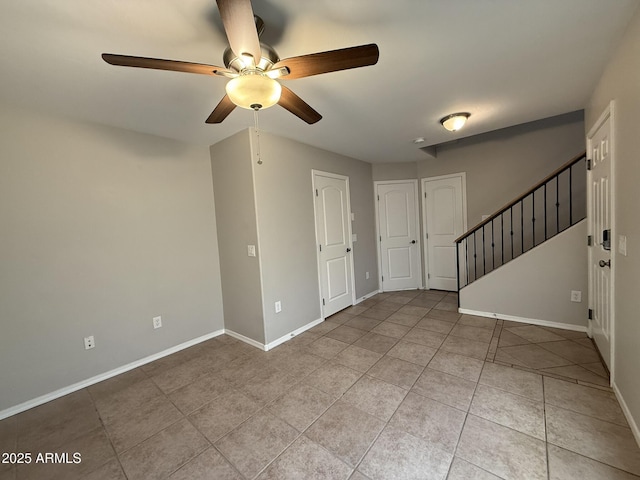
[354, 237]
[353, 216]
[251, 250]
[622, 245]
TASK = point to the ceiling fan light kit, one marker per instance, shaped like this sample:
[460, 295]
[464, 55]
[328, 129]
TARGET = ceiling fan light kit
[253, 67]
[455, 121]
[253, 90]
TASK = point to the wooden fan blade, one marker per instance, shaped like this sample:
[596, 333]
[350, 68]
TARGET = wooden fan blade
[239, 24]
[159, 64]
[297, 106]
[224, 108]
[331, 61]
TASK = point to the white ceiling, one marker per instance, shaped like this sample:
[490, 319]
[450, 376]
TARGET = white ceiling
[505, 61]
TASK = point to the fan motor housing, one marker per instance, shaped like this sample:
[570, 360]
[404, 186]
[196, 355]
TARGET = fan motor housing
[268, 59]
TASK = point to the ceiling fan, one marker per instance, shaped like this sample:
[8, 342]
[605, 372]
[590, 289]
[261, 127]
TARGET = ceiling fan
[254, 68]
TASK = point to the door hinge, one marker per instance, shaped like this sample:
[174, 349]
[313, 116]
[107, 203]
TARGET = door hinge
[590, 314]
[323, 302]
[381, 238]
[428, 276]
[383, 278]
[320, 247]
[317, 192]
[425, 194]
[378, 197]
[589, 164]
[589, 240]
[427, 235]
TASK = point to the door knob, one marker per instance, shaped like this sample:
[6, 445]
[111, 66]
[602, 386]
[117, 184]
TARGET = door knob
[413, 241]
[348, 250]
[603, 264]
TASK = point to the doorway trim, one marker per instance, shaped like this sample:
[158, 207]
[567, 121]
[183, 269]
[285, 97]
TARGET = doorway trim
[463, 178]
[416, 186]
[608, 113]
[350, 233]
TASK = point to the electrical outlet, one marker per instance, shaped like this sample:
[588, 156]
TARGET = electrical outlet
[89, 342]
[366, 275]
[251, 250]
[576, 296]
[157, 322]
[278, 306]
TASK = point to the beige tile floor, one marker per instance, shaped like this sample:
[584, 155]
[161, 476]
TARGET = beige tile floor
[398, 387]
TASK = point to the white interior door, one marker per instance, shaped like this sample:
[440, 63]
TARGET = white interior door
[445, 219]
[399, 235]
[333, 234]
[599, 151]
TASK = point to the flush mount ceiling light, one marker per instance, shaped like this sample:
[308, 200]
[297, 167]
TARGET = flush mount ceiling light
[455, 121]
[253, 90]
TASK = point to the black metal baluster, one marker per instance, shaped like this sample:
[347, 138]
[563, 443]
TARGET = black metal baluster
[545, 211]
[511, 230]
[533, 219]
[458, 270]
[557, 203]
[493, 249]
[522, 225]
[466, 255]
[484, 252]
[502, 238]
[570, 196]
[475, 257]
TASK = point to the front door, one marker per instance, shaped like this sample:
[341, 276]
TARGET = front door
[333, 234]
[445, 220]
[399, 236]
[599, 151]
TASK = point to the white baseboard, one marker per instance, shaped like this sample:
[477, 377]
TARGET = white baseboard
[368, 295]
[533, 321]
[8, 412]
[293, 334]
[276, 342]
[627, 413]
[242, 338]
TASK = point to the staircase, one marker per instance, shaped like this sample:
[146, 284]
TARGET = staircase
[553, 205]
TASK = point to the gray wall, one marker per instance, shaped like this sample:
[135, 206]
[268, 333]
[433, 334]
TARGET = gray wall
[538, 284]
[102, 229]
[237, 228]
[395, 171]
[503, 164]
[287, 231]
[620, 82]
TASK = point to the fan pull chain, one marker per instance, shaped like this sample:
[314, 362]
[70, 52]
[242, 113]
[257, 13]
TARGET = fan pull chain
[255, 117]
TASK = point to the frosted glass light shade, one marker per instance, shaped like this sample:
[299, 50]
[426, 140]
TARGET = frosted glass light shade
[250, 90]
[455, 121]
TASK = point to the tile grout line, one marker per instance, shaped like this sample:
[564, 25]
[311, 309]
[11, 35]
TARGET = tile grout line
[387, 422]
[466, 417]
[408, 391]
[211, 444]
[546, 430]
[265, 408]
